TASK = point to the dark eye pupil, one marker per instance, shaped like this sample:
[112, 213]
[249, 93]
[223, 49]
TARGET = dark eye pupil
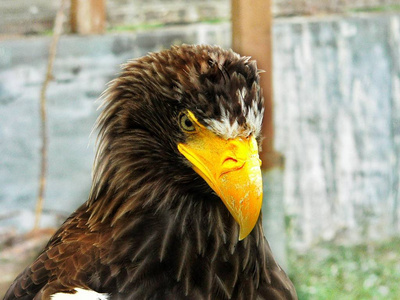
[188, 123]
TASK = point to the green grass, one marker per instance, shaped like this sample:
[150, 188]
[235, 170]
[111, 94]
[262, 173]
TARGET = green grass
[342, 272]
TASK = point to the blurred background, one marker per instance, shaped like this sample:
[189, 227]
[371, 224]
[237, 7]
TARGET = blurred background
[336, 82]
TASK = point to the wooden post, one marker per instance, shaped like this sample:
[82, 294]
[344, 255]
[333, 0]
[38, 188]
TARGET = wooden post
[88, 16]
[252, 36]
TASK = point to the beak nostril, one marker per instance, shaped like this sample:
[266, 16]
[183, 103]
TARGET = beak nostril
[230, 160]
[231, 164]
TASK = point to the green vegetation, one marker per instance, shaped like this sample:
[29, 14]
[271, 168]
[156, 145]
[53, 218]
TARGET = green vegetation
[215, 21]
[135, 27]
[147, 26]
[348, 272]
[381, 8]
[48, 32]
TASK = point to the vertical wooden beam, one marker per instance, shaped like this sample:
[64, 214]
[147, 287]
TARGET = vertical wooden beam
[251, 35]
[88, 16]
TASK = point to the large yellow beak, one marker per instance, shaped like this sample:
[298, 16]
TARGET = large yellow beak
[231, 168]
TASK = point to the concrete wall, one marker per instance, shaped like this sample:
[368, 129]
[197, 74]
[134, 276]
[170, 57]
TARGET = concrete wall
[337, 93]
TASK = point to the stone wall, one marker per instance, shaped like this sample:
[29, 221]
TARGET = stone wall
[27, 17]
[37, 16]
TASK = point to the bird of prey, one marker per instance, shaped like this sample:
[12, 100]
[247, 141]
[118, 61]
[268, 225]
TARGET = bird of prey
[174, 208]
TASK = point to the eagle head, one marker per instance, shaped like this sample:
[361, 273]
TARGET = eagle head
[199, 109]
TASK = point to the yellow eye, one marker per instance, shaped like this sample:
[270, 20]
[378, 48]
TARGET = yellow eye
[185, 123]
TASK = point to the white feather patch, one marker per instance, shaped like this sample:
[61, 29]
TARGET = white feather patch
[80, 294]
[225, 129]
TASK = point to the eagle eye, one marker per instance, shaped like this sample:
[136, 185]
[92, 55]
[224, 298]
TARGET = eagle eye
[185, 123]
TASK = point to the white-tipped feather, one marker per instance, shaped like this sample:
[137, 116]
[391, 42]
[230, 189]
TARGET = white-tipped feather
[80, 294]
[225, 129]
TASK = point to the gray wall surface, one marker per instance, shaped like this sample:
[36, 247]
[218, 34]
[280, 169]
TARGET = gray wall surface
[337, 117]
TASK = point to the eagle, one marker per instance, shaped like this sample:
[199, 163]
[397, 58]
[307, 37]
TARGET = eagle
[174, 207]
